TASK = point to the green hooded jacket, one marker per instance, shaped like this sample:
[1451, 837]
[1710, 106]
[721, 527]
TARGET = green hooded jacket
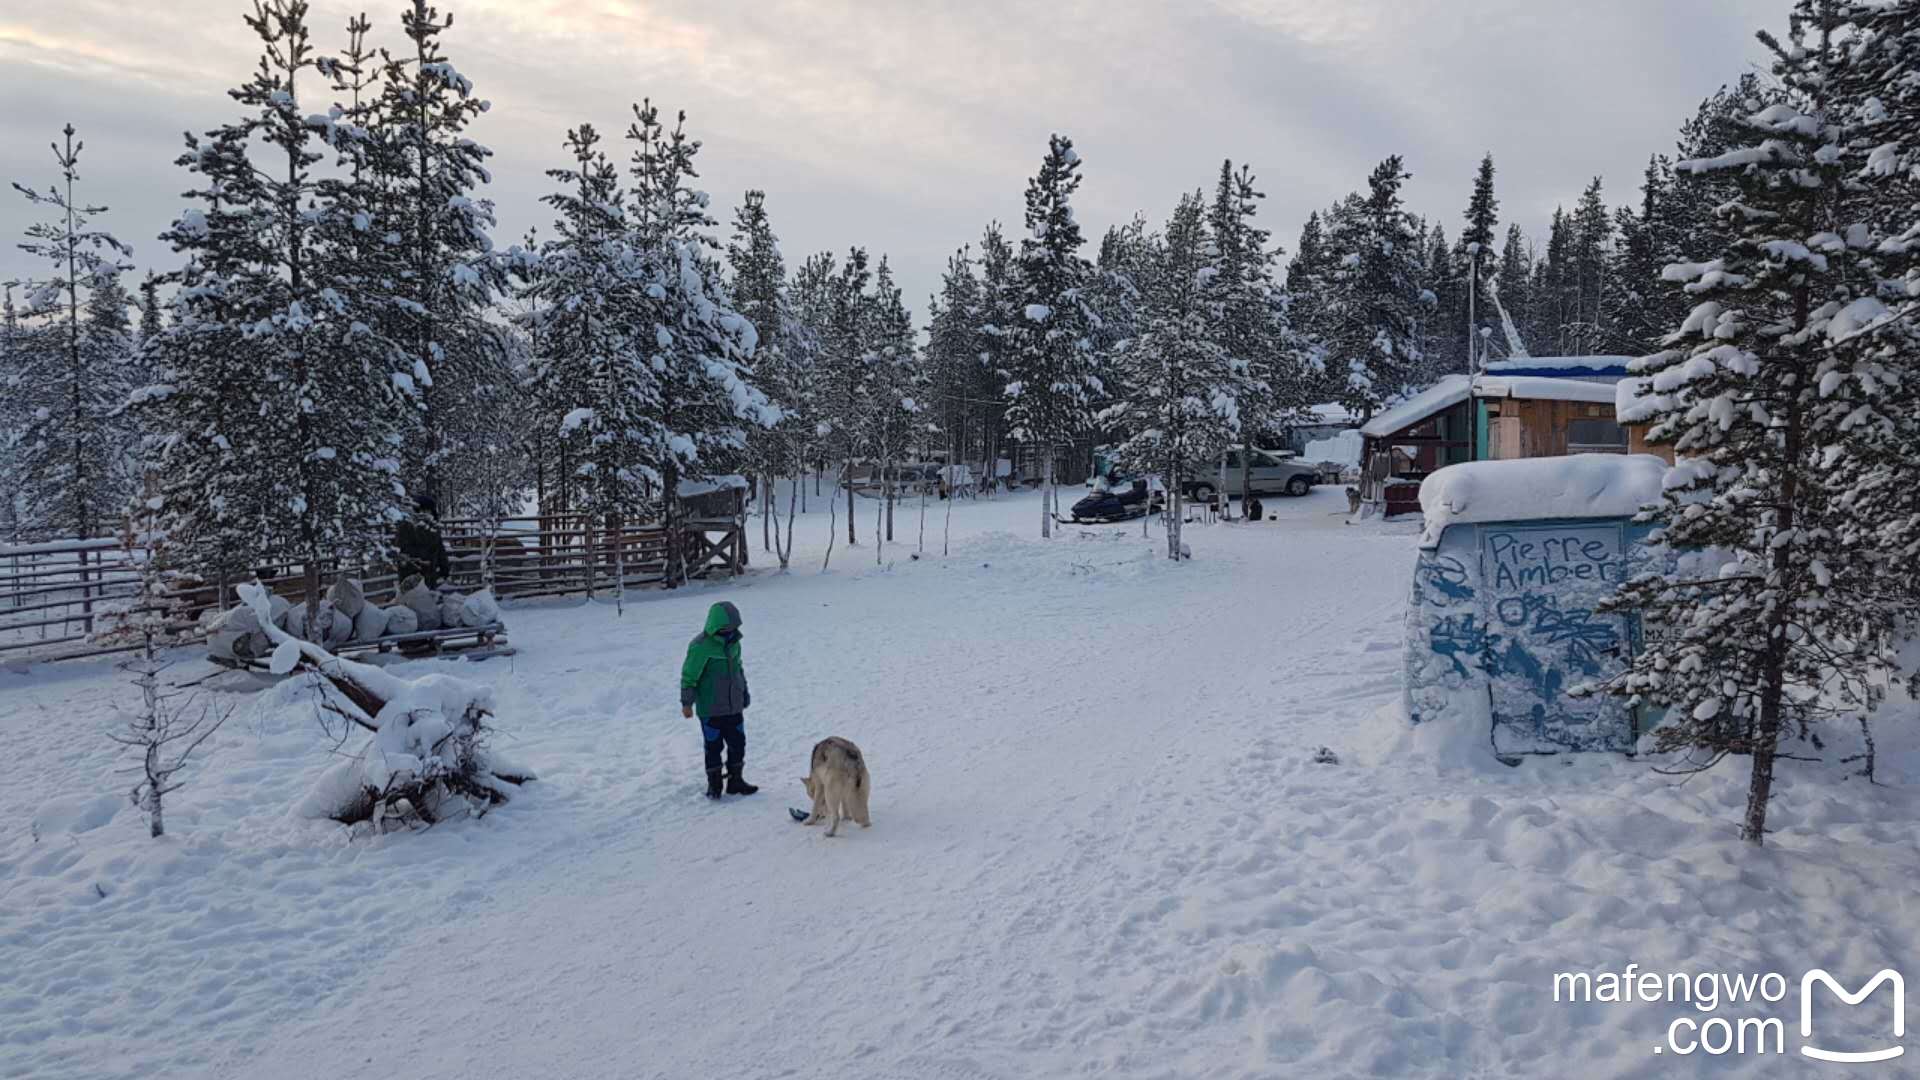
[713, 680]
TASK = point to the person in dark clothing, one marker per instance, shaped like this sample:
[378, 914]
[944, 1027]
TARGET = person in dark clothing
[713, 685]
[418, 548]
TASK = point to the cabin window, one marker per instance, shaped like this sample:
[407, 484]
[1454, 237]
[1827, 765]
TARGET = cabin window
[1595, 437]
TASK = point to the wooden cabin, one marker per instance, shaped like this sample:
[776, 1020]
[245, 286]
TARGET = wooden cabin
[1528, 408]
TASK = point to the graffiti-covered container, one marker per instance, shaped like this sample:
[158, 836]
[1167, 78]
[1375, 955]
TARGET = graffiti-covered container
[1515, 557]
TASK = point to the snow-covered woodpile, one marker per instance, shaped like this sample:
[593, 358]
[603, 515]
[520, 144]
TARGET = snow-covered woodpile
[428, 757]
[345, 617]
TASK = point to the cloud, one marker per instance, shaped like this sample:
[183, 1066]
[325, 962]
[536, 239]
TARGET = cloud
[905, 126]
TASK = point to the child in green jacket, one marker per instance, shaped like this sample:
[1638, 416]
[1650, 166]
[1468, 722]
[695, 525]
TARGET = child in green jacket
[714, 685]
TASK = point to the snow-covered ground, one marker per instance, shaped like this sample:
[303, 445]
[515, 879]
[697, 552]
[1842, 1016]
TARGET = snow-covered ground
[1101, 846]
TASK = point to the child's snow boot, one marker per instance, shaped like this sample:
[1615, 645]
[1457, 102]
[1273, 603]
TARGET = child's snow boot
[737, 786]
[713, 784]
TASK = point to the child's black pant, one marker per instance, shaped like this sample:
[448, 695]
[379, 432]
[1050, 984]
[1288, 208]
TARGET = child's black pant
[728, 731]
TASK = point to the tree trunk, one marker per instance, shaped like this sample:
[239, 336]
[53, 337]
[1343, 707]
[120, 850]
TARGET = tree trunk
[1175, 510]
[156, 821]
[620, 568]
[833, 530]
[1773, 690]
[786, 552]
[852, 540]
[1246, 476]
[1046, 498]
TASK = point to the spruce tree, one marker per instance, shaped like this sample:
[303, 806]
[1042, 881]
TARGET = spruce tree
[691, 399]
[1881, 354]
[758, 284]
[1053, 385]
[208, 498]
[71, 372]
[1375, 298]
[1477, 246]
[1180, 412]
[1592, 266]
[1771, 425]
[333, 388]
[999, 312]
[577, 313]
[151, 320]
[1515, 285]
[15, 414]
[1252, 330]
[445, 275]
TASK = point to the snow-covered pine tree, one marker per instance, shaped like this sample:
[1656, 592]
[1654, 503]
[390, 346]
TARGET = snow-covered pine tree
[333, 401]
[846, 397]
[895, 373]
[999, 311]
[758, 284]
[578, 314]
[953, 353]
[72, 369]
[1592, 267]
[107, 339]
[207, 490]
[1480, 258]
[1768, 420]
[1515, 284]
[1639, 309]
[1309, 285]
[696, 399]
[1252, 329]
[1053, 386]
[1443, 305]
[1374, 300]
[1182, 409]
[151, 319]
[1881, 485]
[446, 274]
[15, 413]
[811, 300]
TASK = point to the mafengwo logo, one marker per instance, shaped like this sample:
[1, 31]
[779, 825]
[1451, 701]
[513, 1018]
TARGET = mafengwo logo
[1818, 977]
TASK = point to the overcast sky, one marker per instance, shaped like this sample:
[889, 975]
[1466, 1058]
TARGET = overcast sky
[906, 126]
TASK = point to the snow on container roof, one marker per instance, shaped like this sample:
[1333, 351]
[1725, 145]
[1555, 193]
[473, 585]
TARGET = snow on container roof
[1552, 366]
[1450, 390]
[1541, 388]
[1333, 412]
[1539, 489]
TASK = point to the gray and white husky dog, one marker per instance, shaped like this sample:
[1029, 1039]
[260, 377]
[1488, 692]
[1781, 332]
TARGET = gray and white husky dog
[838, 784]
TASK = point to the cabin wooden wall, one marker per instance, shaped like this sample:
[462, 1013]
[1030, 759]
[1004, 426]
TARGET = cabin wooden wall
[1534, 428]
[1637, 444]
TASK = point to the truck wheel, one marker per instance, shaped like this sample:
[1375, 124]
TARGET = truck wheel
[1201, 492]
[1298, 486]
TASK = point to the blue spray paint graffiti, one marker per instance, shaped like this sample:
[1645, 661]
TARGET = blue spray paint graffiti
[1512, 608]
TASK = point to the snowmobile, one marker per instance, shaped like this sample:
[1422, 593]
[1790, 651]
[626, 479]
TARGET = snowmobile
[1114, 499]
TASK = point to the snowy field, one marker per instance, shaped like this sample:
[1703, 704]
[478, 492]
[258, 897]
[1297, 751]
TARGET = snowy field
[1101, 847]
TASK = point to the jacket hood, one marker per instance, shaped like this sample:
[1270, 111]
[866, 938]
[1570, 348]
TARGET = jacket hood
[722, 616]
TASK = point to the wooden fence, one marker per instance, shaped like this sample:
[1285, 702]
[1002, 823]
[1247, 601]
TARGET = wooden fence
[560, 554]
[69, 599]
